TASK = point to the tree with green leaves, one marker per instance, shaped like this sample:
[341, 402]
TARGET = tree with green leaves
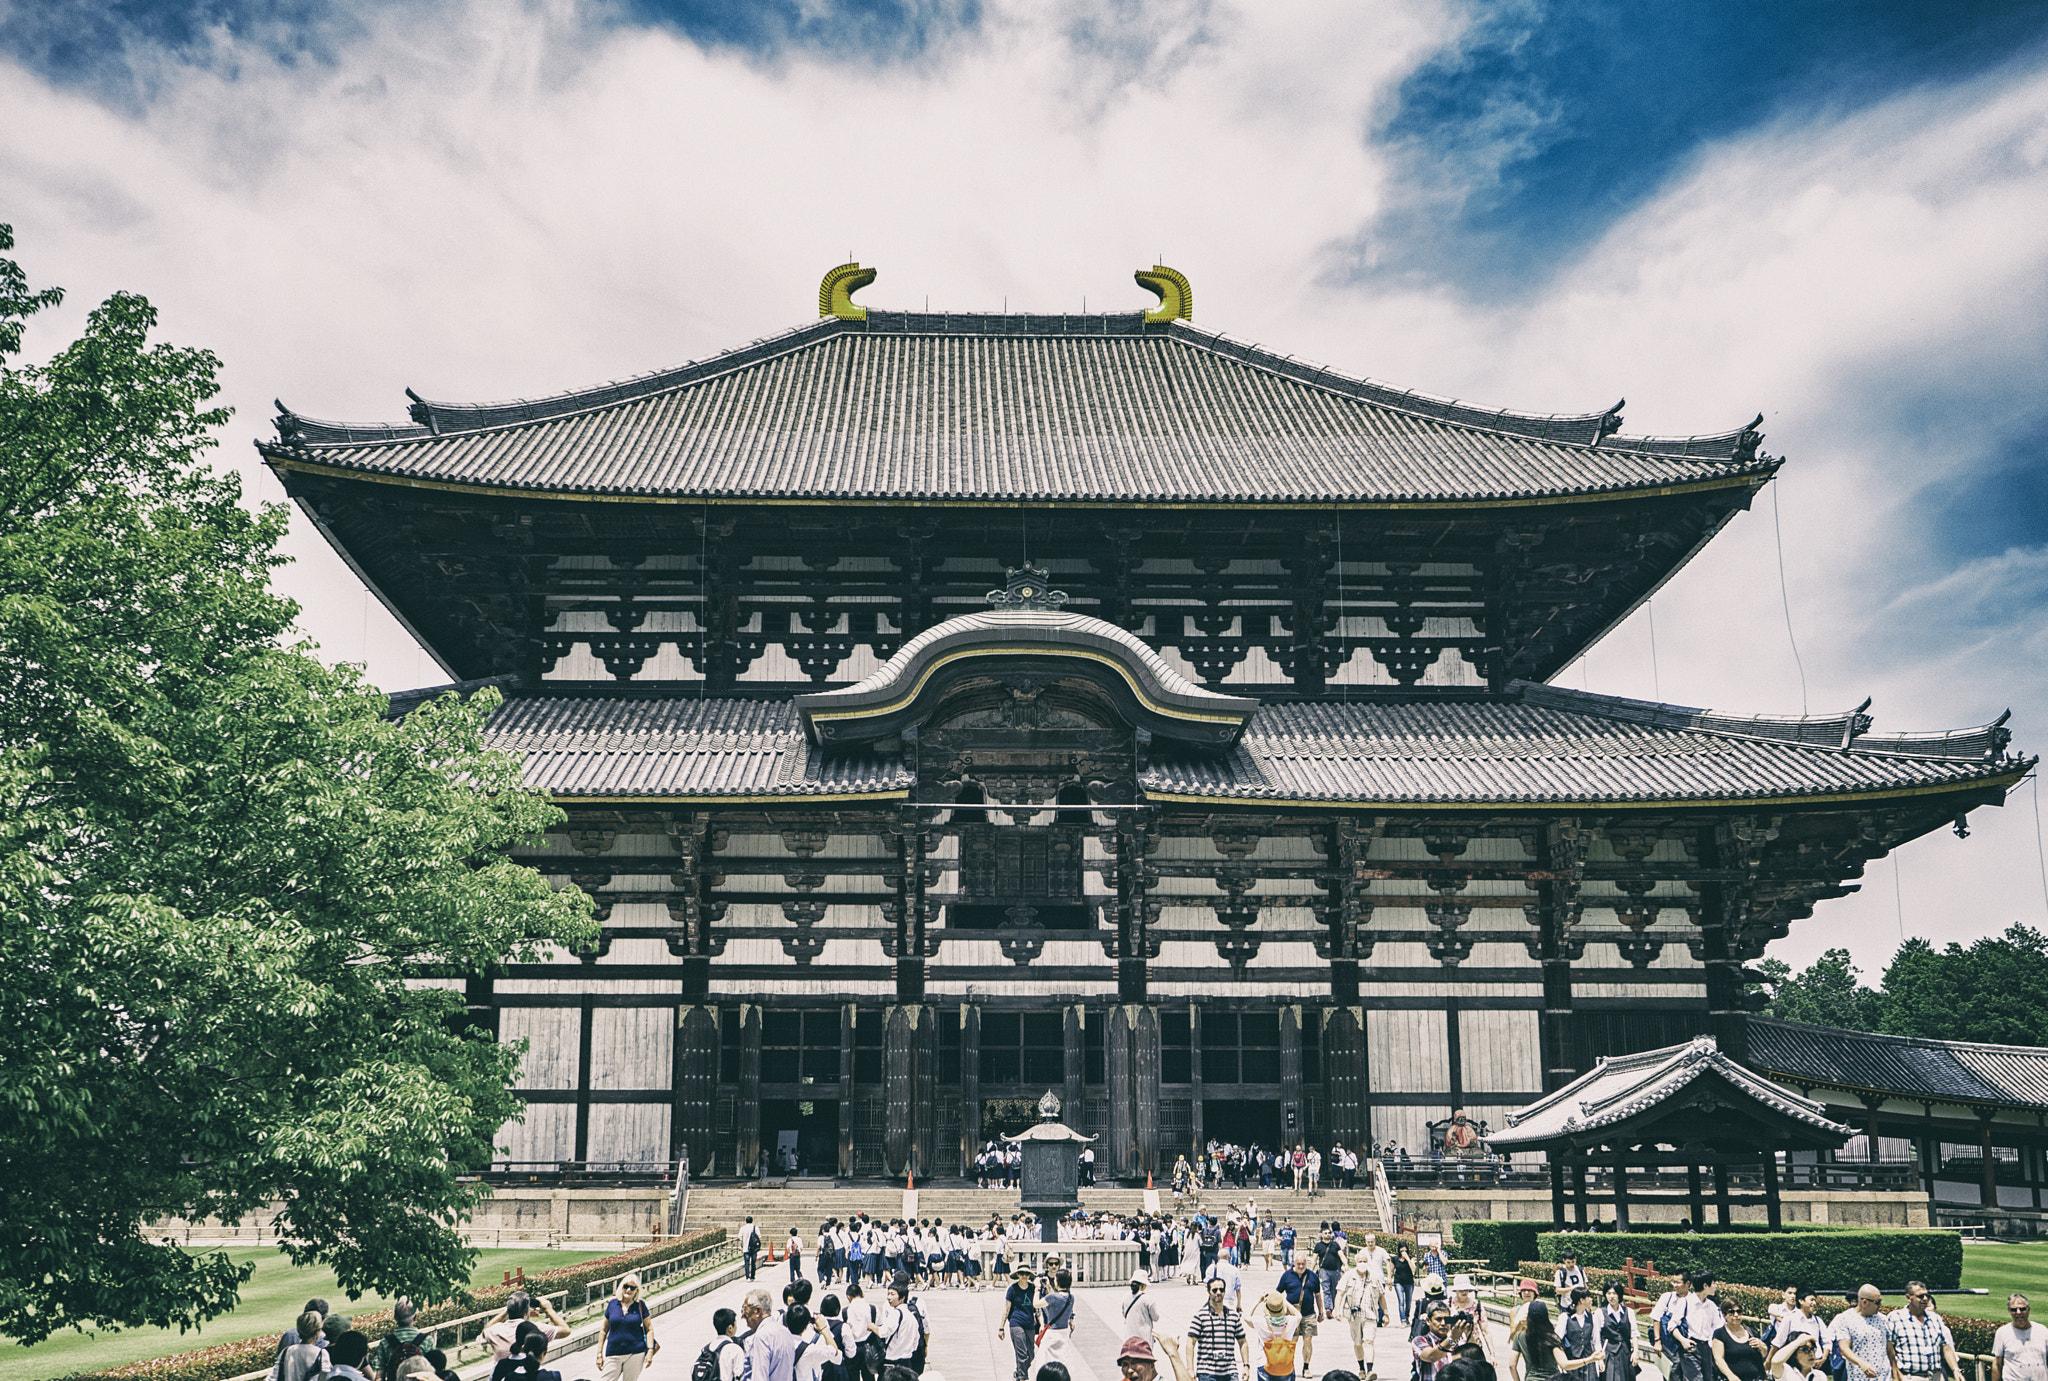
[1989, 991]
[224, 870]
[1826, 993]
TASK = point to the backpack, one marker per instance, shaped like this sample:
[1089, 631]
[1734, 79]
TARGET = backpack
[1210, 1239]
[706, 1366]
[1279, 1356]
[924, 1336]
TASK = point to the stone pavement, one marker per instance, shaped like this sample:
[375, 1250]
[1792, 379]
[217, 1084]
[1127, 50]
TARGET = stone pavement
[965, 1346]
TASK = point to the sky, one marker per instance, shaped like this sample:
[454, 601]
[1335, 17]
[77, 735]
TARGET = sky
[1832, 213]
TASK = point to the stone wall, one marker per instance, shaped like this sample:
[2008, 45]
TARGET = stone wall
[1434, 1210]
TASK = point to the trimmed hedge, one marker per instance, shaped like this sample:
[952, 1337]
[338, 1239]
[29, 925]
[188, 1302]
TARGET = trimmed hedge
[1503, 1243]
[1836, 1260]
[223, 1360]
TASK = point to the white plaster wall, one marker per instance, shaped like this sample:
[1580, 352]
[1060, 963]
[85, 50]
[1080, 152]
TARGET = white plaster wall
[1406, 1052]
[1500, 1052]
[553, 1051]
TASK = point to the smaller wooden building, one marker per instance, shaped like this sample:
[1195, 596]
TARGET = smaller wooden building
[1968, 1120]
[1684, 1108]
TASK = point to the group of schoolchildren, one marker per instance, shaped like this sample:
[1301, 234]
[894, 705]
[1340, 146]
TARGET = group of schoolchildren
[851, 1340]
[927, 1251]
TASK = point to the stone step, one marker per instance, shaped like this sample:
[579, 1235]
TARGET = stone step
[805, 1204]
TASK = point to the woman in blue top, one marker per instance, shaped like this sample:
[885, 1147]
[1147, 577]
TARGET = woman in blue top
[624, 1344]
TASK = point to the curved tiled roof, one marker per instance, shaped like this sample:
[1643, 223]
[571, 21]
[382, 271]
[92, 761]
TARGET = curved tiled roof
[1167, 701]
[1621, 1088]
[1546, 746]
[943, 407]
[1913, 1067]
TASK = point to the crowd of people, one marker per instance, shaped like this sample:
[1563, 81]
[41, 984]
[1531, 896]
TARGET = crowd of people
[1329, 1284]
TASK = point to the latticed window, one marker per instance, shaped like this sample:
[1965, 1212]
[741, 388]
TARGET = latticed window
[1003, 867]
[1023, 1048]
[1176, 1060]
[800, 1047]
[1240, 1049]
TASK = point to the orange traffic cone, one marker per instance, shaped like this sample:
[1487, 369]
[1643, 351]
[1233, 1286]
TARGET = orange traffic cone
[912, 1178]
[1148, 1179]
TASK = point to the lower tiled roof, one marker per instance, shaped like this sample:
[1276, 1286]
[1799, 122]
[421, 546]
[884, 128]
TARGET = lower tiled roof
[1910, 1066]
[1543, 747]
[1534, 747]
[595, 745]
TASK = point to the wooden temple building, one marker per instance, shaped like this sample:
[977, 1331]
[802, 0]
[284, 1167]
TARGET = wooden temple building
[949, 706]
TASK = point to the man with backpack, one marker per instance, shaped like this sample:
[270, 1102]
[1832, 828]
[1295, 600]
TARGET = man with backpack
[750, 1246]
[904, 1333]
[722, 1358]
[402, 1341]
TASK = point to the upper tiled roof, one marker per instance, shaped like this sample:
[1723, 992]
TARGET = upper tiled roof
[1624, 1087]
[1910, 1066]
[1545, 745]
[1541, 747]
[1001, 408]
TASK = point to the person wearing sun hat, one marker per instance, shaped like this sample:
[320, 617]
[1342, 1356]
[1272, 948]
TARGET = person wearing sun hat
[1431, 1296]
[1141, 1315]
[1274, 1325]
[1137, 1361]
[1020, 1320]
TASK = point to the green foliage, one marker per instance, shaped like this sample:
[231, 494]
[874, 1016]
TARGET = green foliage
[1987, 992]
[219, 864]
[239, 1358]
[1770, 1261]
[1501, 1242]
[1826, 994]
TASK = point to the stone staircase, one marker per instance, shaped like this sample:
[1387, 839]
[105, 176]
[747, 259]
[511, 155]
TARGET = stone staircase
[805, 1203]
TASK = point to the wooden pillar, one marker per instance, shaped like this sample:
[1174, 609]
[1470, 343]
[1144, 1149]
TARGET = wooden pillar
[1554, 901]
[1344, 1075]
[1774, 1208]
[1727, 1017]
[1723, 1213]
[1578, 1192]
[849, 1017]
[1695, 1194]
[924, 1042]
[746, 1111]
[898, 1086]
[1072, 1113]
[1290, 1077]
[1195, 1079]
[693, 1086]
[583, 1082]
[1620, 1195]
[970, 1086]
[1989, 1191]
[1930, 1156]
[1556, 1190]
[1118, 1157]
[1145, 1080]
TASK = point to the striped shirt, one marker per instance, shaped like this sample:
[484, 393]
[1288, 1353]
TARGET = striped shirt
[1216, 1341]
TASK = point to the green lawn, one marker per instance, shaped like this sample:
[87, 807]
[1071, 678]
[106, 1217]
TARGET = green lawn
[270, 1301]
[2000, 1268]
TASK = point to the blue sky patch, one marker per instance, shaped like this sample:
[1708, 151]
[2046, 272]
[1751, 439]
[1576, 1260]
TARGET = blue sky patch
[1547, 121]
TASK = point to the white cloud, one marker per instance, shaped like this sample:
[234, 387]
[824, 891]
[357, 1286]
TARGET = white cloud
[484, 203]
